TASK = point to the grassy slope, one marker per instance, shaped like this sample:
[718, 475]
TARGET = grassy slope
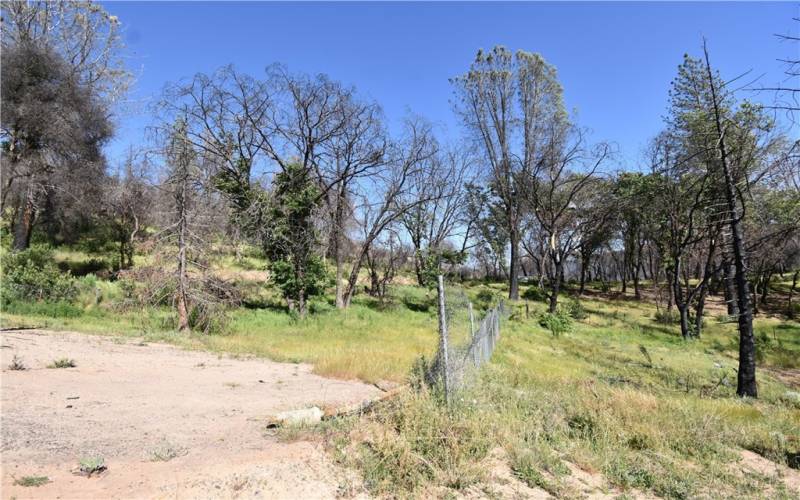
[669, 424]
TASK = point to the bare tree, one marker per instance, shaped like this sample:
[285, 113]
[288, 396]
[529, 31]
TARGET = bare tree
[437, 196]
[381, 199]
[561, 180]
[127, 203]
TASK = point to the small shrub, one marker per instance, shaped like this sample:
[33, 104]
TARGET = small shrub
[91, 465]
[32, 481]
[86, 267]
[666, 317]
[487, 297]
[17, 364]
[576, 310]
[726, 318]
[583, 426]
[62, 363]
[32, 275]
[763, 346]
[558, 322]
[534, 294]
[165, 452]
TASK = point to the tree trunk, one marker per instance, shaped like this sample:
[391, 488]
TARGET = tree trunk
[765, 287]
[698, 311]
[683, 309]
[23, 227]
[555, 285]
[513, 277]
[730, 288]
[680, 302]
[182, 306]
[338, 256]
[584, 266]
[746, 380]
[183, 313]
[352, 281]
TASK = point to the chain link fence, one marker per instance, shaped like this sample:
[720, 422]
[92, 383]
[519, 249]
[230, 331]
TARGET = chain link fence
[459, 356]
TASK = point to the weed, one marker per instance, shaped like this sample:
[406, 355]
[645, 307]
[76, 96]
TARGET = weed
[576, 310]
[17, 364]
[666, 317]
[62, 363]
[91, 465]
[165, 452]
[31, 481]
[558, 322]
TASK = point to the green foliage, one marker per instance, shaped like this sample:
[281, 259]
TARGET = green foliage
[32, 275]
[575, 309]
[434, 260]
[534, 293]
[32, 481]
[558, 322]
[666, 317]
[421, 443]
[311, 282]
[291, 238]
[487, 297]
[91, 465]
[63, 363]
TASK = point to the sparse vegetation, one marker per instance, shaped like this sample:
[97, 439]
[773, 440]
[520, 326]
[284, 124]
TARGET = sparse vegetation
[32, 481]
[17, 364]
[165, 452]
[63, 363]
[91, 465]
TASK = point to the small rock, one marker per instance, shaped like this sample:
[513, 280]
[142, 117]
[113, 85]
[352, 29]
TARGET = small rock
[298, 417]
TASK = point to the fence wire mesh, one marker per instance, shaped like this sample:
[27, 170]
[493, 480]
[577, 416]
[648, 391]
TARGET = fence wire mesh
[465, 343]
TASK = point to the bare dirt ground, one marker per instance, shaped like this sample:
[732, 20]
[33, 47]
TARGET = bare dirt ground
[136, 404]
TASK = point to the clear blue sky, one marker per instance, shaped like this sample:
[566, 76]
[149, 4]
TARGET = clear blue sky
[615, 60]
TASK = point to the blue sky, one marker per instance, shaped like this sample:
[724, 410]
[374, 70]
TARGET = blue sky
[615, 60]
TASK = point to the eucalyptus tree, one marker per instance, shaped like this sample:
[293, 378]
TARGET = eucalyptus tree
[490, 239]
[510, 102]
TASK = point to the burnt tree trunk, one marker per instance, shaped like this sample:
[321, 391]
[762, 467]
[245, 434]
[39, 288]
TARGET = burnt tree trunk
[746, 380]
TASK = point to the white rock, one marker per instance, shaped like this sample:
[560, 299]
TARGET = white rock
[303, 416]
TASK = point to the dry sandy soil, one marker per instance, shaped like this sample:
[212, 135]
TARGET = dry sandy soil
[130, 402]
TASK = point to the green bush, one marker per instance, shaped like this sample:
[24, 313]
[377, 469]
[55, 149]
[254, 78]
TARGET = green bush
[32, 275]
[576, 310]
[534, 293]
[666, 317]
[487, 297]
[558, 322]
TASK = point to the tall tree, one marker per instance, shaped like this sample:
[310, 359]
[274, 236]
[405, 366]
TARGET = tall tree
[62, 70]
[510, 102]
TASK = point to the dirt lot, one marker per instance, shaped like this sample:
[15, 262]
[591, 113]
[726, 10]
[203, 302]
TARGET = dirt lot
[167, 422]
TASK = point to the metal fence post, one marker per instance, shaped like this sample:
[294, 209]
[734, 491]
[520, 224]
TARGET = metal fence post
[443, 341]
